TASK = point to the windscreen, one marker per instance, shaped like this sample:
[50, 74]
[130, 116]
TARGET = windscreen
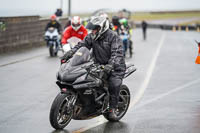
[80, 57]
[73, 41]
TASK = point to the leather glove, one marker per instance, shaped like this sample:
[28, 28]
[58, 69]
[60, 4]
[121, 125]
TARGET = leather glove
[66, 56]
[108, 68]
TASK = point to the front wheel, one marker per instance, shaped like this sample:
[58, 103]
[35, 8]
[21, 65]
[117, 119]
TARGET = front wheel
[52, 50]
[123, 104]
[61, 111]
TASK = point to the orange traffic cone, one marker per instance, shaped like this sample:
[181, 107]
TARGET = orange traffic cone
[198, 56]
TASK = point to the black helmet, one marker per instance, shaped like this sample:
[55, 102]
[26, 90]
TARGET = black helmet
[115, 20]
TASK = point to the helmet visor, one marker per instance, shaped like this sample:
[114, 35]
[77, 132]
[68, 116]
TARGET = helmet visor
[91, 26]
[75, 25]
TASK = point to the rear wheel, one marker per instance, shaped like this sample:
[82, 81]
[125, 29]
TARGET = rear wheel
[61, 111]
[123, 104]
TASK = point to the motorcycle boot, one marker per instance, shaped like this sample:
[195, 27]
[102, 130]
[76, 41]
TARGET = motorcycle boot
[113, 114]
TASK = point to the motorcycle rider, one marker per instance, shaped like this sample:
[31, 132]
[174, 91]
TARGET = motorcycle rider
[75, 30]
[116, 24]
[125, 27]
[108, 51]
[54, 23]
[125, 39]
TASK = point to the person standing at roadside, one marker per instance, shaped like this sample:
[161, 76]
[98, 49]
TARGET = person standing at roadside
[58, 12]
[144, 28]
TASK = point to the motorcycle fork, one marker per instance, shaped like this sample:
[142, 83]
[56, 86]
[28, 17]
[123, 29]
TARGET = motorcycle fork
[105, 105]
[71, 103]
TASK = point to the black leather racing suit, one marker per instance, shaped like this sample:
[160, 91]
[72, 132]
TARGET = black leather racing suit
[108, 49]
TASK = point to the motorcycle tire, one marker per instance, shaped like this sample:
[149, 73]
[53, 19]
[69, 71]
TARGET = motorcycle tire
[59, 116]
[51, 51]
[56, 53]
[123, 104]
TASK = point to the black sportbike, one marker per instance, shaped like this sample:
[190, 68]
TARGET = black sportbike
[83, 85]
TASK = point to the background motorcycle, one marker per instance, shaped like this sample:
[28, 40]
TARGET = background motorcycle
[52, 39]
[83, 85]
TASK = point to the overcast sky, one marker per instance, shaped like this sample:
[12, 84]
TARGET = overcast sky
[48, 7]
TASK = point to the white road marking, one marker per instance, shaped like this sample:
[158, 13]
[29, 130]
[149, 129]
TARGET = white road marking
[168, 93]
[149, 73]
[101, 120]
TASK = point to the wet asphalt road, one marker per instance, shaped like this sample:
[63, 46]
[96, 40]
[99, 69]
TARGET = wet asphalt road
[165, 89]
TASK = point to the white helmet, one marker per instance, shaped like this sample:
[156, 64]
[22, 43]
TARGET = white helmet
[99, 23]
[76, 23]
[103, 14]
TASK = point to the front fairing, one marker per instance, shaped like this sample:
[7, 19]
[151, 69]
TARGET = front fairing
[67, 73]
[73, 69]
[52, 33]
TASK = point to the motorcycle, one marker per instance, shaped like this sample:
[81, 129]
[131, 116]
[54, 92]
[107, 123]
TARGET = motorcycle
[52, 39]
[84, 85]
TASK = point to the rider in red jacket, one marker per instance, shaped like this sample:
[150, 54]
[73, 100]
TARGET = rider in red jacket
[75, 30]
